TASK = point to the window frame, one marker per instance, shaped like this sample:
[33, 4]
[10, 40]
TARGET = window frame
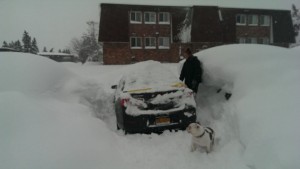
[164, 22]
[150, 22]
[163, 46]
[253, 24]
[253, 40]
[239, 23]
[135, 14]
[152, 46]
[264, 23]
[241, 40]
[136, 43]
[264, 40]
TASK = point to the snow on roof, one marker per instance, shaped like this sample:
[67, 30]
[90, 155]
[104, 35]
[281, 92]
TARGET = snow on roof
[253, 4]
[54, 54]
[6, 49]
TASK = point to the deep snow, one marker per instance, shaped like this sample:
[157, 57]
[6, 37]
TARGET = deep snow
[48, 114]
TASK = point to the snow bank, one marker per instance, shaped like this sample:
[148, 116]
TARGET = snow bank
[45, 120]
[52, 124]
[56, 129]
[30, 73]
[264, 81]
[38, 132]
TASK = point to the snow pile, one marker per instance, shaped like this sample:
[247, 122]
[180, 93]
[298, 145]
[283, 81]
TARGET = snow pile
[149, 75]
[38, 132]
[185, 34]
[296, 49]
[30, 73]
[44, 118]
[47, 113]
[264, 81]
[186, 27]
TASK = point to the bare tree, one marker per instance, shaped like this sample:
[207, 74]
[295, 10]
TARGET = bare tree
[87, 47]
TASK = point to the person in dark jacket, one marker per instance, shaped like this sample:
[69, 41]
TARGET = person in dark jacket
[191, 72]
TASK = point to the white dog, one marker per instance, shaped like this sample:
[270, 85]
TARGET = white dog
[202, 137]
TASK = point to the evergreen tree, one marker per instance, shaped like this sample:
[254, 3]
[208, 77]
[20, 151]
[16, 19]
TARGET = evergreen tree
[45, 49]
[59, 51]
[68, 51]
[5, 45]
[26, 42]
[18, 46]
[34, 48]
[296, 19]
[295, 11]
[11, 45]
[51, 50]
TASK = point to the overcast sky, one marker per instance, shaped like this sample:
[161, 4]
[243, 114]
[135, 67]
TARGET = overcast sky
[55, 22]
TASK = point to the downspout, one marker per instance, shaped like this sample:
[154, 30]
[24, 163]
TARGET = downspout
[171, 22]
[271, 30]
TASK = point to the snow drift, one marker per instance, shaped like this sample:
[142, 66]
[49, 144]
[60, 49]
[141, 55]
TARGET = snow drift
[47, 114]
[30, 73]
[264, 81]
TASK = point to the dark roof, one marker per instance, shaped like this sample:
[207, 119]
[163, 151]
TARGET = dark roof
[113, 23]
[206, 25]
[283, 27]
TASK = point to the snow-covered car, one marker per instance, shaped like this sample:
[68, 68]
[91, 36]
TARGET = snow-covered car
[150, 98]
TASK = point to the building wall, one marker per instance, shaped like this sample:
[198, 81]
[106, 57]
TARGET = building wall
[208, 29]
[253, 31]
[153, 30]
[120, 53]
[116, 53]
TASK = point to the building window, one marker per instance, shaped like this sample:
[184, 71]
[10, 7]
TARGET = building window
[264, 20]
[251, 40]
[252, 20]
[135, 17]
[150, 43]
[150, 17]
[241, 19]
[263, 41]
[164, 42]
[164, 18]
[136, 43]
[241, 40]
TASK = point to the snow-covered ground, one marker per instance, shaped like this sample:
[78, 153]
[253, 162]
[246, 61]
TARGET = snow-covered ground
[60, 115]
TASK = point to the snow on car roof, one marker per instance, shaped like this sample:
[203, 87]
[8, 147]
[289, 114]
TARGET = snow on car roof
[151, 75]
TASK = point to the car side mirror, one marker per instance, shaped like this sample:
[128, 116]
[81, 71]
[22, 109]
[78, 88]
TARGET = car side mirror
[114, 86]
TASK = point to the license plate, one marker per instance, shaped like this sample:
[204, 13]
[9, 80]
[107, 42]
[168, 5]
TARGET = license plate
[162, 120]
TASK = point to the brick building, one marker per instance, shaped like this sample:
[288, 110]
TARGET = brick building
[133, 33]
